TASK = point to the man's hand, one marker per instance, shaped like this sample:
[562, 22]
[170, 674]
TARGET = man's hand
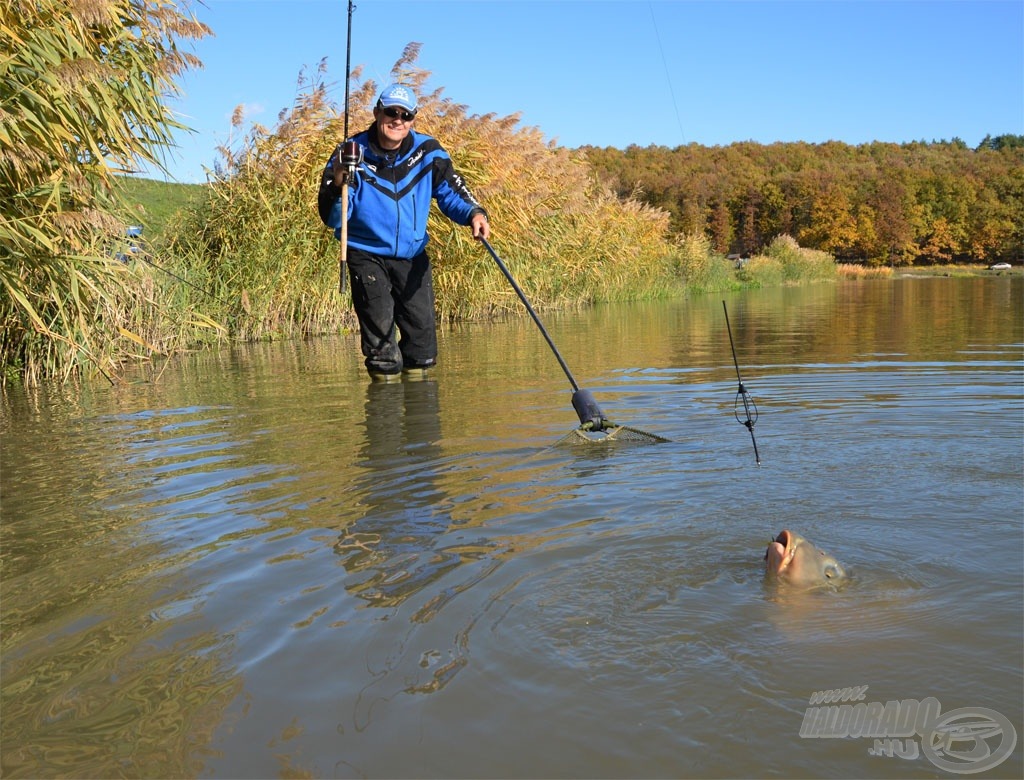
[340, 174]
[347, 158]
[481, 227]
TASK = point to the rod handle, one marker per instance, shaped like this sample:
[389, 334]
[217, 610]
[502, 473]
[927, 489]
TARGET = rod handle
[343, 252]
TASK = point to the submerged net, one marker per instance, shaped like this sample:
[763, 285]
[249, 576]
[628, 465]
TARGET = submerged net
[584, 435]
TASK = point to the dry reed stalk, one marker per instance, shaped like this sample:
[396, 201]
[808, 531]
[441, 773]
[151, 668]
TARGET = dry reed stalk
[83, 91]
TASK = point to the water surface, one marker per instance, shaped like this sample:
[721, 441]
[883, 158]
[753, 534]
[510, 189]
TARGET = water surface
[255, 563]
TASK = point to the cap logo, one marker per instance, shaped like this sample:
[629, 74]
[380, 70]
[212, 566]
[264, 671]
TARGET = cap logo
[400, 93]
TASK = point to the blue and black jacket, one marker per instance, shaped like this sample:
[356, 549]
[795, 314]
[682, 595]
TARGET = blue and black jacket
[390, 194]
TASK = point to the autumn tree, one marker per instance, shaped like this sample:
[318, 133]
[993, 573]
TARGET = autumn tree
[833, 225]
[877, 203]
[941, 243]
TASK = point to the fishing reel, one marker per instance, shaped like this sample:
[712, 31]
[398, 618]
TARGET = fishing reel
[350, 155]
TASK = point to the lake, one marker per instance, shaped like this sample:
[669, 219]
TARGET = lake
[256, 563]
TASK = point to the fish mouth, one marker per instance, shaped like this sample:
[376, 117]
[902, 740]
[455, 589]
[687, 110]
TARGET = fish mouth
[780, 552]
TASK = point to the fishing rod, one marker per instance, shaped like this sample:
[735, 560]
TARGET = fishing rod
[348, 156]
[741, 393]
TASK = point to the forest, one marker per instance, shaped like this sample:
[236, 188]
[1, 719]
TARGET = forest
[877, 204]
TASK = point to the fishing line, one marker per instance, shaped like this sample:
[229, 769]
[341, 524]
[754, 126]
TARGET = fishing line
[207, 293]
[742, 394]
[668, 77]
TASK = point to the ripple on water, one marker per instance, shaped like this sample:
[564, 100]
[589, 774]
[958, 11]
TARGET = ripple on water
[268, 562]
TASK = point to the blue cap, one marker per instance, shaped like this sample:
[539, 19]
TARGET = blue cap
[398, 95]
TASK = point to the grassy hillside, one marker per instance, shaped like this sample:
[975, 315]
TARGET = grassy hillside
[153, 203]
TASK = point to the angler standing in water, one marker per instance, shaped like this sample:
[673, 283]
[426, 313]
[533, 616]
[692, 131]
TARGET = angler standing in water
[393, 173]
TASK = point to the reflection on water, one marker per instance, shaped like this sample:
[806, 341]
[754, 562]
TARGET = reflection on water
[255, 563]
[403, 509]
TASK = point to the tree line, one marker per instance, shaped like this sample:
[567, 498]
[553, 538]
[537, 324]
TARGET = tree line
[877, 203]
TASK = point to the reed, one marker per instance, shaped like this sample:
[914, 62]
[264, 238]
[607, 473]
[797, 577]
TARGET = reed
[700, 267]
[786, 262]
[854, 271]
[82, 96]
[761, 271]
[800, 264]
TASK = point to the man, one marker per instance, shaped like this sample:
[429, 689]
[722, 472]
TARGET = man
[399, 173]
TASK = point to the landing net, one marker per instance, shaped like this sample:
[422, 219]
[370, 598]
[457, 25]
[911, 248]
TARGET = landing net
[624, 433]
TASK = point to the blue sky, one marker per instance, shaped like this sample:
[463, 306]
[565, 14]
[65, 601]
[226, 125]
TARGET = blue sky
[606, 73]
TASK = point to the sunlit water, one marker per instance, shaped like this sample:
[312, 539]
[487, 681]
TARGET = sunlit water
[257, 564]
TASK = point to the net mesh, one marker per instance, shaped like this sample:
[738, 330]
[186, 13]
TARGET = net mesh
[613, 433]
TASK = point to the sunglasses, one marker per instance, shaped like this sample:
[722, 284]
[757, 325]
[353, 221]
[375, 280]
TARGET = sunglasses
[395, 113]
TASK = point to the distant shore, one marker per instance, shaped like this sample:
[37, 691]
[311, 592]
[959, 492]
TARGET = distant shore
[957, 270]
[854, 271]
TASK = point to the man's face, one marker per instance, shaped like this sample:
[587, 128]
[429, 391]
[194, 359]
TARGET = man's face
[394, 124]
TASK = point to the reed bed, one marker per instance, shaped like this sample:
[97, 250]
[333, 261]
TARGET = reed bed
[854, 271]
[82, 87]
[703, 269]
[786, 262]
[259, 245]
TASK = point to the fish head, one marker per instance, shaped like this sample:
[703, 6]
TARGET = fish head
[791, 558]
